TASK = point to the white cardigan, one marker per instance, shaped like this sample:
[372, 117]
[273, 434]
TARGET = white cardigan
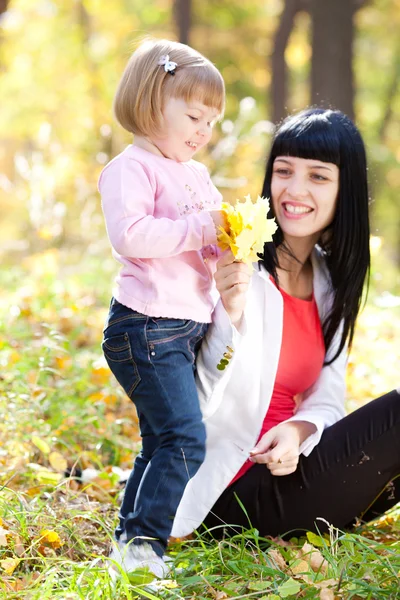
[234, 401]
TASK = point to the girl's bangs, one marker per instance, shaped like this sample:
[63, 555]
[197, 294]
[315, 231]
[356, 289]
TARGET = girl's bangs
[203, 84]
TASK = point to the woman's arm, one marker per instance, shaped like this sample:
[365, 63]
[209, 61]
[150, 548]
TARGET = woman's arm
[216, 357]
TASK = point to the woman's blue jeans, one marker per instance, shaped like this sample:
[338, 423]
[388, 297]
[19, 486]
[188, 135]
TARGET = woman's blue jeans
[153, 360]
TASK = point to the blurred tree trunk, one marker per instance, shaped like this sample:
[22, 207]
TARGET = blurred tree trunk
[279, 79]
[3, 6]
[332, 80]
[86, 28]
[182, 11]
[390, 97]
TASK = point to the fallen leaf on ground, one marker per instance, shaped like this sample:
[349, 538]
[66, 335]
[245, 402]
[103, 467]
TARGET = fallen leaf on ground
[326, 594]
[58, 462]
[314, 558]
[277, 559]
[9, 565]
[51, 537]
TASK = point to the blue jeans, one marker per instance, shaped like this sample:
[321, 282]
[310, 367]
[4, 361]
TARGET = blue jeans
[153, 359]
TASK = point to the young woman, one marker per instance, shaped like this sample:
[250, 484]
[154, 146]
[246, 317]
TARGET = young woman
[277, 435]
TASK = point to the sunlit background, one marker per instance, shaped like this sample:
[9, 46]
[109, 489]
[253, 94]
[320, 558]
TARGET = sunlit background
[61, 410]
[59, 65]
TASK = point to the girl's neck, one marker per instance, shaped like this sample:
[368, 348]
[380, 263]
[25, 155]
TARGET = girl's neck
[146, 144]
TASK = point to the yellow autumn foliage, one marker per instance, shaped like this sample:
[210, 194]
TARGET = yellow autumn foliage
[51, 537]
[249, 228]
[9, 565]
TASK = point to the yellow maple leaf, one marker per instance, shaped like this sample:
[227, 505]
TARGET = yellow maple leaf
[47, 477]
[100, 375]
[9, 565]
[41, 444]
[244, 242]
[226, 242]
[51, 537]
[249, 228]
[3, 536]
[58, 462]
[169, 584]
[236, 223]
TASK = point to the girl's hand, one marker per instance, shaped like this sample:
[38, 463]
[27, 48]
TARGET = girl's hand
[233, 279]
[278, 449]
[220, 220]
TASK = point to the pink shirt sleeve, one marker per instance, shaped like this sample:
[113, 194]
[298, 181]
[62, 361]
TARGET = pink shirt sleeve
[127, 196]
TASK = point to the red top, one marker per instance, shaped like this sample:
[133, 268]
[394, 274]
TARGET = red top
[300, 362]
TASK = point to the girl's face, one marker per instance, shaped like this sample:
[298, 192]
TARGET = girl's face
[187, 128]
[304, 195]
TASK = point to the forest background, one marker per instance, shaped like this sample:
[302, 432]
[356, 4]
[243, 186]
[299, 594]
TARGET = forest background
[59, 65]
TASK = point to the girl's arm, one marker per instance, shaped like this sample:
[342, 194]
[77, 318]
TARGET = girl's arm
[128, 204]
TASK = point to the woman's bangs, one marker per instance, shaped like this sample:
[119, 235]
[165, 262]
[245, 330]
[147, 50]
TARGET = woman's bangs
[312, 140]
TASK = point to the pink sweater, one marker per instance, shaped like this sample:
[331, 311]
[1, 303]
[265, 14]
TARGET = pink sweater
[160, 231]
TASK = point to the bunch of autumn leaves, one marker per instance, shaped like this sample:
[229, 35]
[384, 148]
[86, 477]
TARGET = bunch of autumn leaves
[248, 228]
[247, 231]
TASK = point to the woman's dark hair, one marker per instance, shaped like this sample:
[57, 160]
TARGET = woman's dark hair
[330, 136]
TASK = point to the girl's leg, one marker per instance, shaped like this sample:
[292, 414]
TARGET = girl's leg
[156, 369]
[352, 466]
[150, 443]
[168, 399]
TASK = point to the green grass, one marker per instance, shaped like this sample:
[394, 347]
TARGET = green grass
[60, 407]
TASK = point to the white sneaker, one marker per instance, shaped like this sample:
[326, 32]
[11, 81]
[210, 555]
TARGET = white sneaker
[132, 557]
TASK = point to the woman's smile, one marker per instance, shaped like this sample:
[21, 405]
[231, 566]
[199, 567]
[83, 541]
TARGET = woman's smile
[296, 210]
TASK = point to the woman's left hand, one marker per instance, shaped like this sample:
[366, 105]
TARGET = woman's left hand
[278, 449]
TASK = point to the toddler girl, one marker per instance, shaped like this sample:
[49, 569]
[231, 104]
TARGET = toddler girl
[161, 212]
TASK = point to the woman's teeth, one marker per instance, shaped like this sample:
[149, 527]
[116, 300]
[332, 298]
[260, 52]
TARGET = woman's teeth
[297, 210]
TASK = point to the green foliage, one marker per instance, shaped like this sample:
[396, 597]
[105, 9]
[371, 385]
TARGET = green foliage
[61, 408]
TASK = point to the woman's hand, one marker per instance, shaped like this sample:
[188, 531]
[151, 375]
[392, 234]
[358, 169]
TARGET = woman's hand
[278, 449]
[233, 279]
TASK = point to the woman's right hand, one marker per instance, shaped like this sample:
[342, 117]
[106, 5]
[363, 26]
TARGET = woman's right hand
[233, 279]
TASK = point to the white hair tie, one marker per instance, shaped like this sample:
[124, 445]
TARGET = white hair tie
[169, 65]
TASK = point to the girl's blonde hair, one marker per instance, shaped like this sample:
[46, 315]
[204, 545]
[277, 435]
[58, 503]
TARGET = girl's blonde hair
[145, 85]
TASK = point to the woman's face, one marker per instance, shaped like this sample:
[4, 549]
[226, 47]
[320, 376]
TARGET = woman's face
[304, 194]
